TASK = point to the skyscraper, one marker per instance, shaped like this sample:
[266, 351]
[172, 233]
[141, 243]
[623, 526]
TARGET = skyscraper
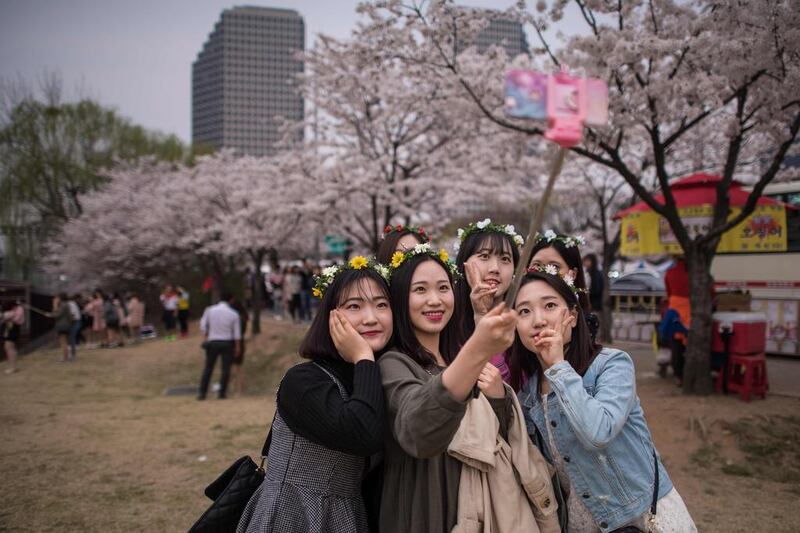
[504, 32]
[245, 76]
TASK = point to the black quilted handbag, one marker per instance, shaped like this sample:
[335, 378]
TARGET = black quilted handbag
[230, 492]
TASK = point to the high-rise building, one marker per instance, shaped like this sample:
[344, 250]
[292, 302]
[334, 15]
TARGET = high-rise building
[504, 32]
[510, 35]
[244, 78]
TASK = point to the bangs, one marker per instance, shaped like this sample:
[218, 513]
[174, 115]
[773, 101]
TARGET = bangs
[359, 280]
[496, 243]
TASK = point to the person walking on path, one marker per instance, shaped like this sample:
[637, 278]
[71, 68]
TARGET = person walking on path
[306, 284]
[169, 301]
[95, 310]
[63, 319]
[676, 284]
[291, 284]
[63, 322]
[222, 329]
[111, 314]
[13, 318]
[75, 325]
[276, 281]
[135, 315]
[183, 311]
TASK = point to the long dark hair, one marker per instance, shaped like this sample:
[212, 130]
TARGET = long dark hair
[318, 344]
[405, 338]
[579, 353]
[572, 257]
[497, 243]
[389, 244]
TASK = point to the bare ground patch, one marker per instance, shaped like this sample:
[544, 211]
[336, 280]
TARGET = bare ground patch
[96, 446]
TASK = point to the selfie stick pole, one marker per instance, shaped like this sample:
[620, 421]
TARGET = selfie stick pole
[533, 229]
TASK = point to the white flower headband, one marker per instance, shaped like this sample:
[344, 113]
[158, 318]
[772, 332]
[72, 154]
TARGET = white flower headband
[487, 225]
[552, 270]
[551, 236]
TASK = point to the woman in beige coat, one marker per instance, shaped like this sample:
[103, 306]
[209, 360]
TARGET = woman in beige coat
[135, 315]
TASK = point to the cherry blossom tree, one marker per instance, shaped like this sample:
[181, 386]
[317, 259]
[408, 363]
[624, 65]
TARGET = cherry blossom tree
[392, 150]
[721, 75]
[252, 210]
[152, 217]
[126, 232]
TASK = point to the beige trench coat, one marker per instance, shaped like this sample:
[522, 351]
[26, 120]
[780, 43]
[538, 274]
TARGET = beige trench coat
[505, 486]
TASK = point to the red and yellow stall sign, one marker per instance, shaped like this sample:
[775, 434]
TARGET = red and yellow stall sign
[648, 233]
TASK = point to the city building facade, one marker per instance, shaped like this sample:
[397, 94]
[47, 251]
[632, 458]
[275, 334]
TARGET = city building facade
[503, 32]
[244, 80]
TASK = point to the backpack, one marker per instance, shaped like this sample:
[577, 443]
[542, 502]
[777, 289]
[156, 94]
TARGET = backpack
[110, 312]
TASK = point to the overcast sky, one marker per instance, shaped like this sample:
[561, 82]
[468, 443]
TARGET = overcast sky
[137, 56]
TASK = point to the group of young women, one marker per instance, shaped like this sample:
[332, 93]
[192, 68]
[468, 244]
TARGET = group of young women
[427, 405]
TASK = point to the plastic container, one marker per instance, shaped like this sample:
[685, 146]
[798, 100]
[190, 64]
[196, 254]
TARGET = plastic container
[749, 332]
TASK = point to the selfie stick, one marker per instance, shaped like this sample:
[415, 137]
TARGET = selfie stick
[533, 229]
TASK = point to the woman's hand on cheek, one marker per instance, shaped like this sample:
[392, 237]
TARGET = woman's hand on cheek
[348, 342]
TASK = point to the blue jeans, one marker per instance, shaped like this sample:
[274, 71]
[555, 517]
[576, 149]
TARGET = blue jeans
[74, 331]
[305, 305]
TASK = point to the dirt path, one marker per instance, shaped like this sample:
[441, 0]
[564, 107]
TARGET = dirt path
[96, 446]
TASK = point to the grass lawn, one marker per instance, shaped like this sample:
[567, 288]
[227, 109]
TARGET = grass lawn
[95, 445]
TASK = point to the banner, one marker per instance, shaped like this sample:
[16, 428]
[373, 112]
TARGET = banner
[648, 233]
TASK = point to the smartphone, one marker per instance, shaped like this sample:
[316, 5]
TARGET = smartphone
[596, 102]
[526, 94]
[526, 97]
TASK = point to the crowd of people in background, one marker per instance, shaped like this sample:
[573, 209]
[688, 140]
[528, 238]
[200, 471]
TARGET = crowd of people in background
[288, 290]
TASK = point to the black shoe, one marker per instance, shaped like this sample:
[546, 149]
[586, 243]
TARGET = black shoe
[201, 398]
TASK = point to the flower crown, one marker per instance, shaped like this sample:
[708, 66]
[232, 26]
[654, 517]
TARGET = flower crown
[417, 230]
[328, 274]
[487, 225]
[551, 236]
[398, 258]
[568, 278]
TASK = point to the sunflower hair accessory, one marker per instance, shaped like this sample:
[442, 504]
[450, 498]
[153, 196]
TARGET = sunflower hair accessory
[359, 262]
[551, 236]
[417, 230]
[487, 225]
[552, 270]
[398, 258]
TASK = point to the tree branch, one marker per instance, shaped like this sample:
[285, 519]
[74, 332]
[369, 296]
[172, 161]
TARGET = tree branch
[758, 188]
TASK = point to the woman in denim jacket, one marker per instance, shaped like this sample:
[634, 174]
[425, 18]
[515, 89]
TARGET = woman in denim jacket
[581, 399]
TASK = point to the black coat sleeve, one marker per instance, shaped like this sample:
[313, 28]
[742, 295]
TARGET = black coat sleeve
[310, 403]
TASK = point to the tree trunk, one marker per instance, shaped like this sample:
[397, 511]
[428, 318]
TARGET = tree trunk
[697, 370]
[218, 277]
[258, 287]
[607, 315]
[610, 250]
